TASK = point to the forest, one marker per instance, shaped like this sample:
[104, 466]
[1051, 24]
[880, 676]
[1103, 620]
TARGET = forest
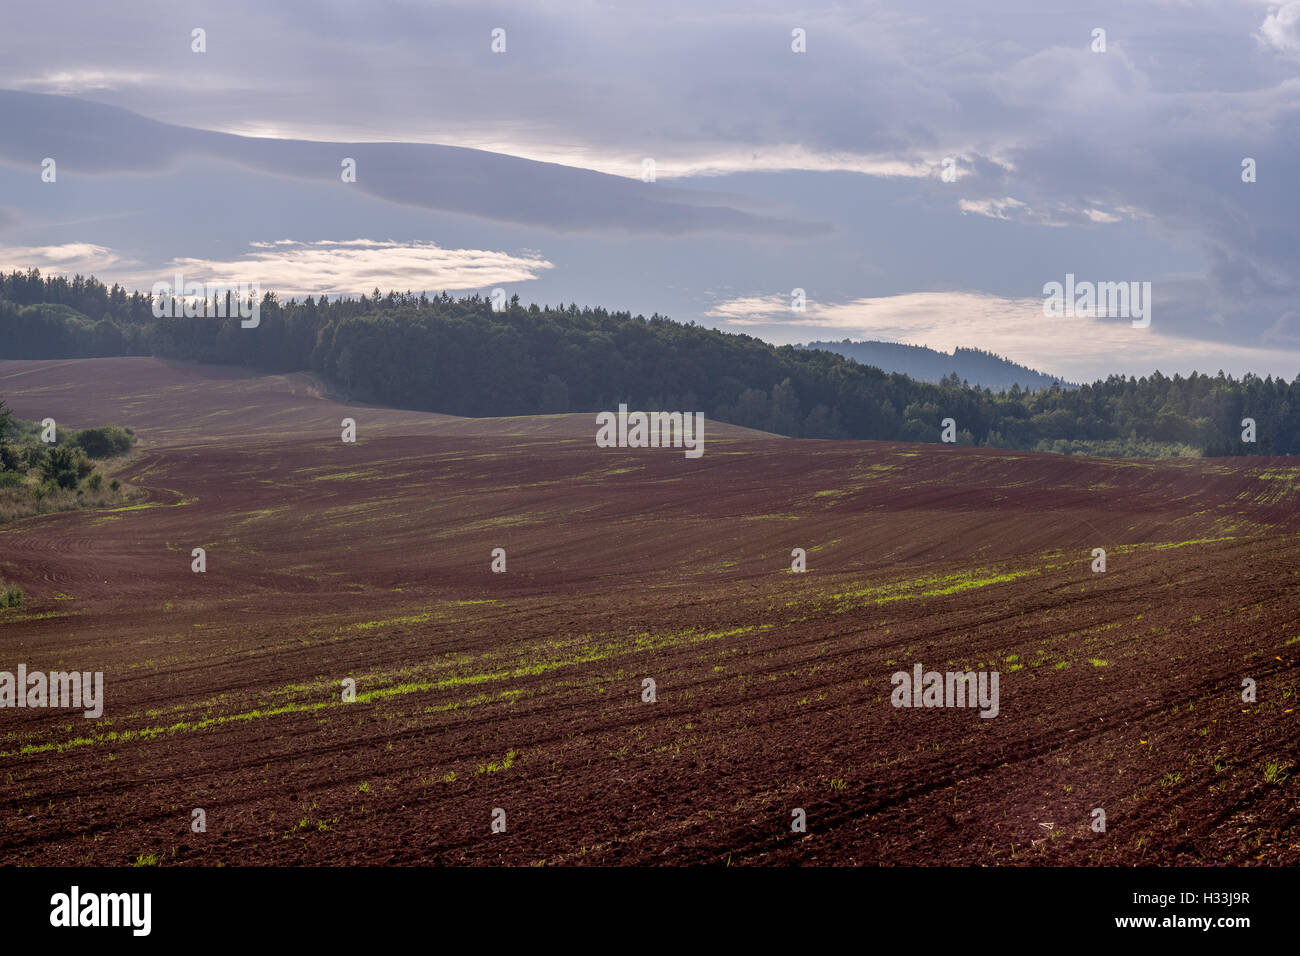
[460, 356]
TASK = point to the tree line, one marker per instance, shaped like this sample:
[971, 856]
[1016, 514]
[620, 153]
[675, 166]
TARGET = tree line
[460, 356]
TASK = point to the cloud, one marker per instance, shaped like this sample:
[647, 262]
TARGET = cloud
[757, 310]
[1281, 29]
[993, 208]
[1013, 327]
[357, 267]
[91, 139]
[1097, 215]
[1056, 214]
[68, 258]
[86, 81]
[292, 268]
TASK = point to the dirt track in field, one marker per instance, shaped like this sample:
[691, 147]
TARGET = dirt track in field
[522, 690]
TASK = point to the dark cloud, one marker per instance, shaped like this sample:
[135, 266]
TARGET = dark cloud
[91, 139]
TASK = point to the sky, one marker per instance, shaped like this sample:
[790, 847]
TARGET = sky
[921, 171]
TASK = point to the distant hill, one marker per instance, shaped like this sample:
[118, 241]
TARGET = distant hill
[974, 366]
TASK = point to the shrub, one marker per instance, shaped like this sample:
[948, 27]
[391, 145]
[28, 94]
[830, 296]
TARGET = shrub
[65, 466]
[103, 442]
[95, 481]
[11, 479]
[11, 458]
[11, 597]
[115, 485]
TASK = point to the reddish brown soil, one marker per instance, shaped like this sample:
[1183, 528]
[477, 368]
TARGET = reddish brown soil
[523, 690]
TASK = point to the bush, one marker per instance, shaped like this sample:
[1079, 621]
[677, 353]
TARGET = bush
[11, 597]
[11, 479]
[104, 442]
[65, 466]
[95, 481]
[115, 485]
[11, 459]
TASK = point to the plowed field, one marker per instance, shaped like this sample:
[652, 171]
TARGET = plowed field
[523, 690]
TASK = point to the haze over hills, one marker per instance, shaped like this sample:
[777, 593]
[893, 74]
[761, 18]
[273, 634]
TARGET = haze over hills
[972, 365]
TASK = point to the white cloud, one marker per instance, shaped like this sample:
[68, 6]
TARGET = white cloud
[68, 258]
[294, 268]
[1074, 348]
[358, 266]
[1281, 29]
[993, 208]
[672, 160]
[1097, 215]
[1010, 209]
[74, 82]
